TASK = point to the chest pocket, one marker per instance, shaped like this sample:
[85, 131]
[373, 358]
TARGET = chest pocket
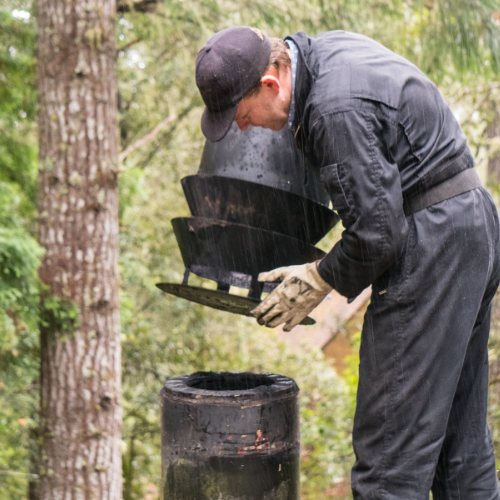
[334, 180]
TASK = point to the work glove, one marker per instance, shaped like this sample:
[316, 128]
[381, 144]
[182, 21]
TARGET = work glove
[300, 291]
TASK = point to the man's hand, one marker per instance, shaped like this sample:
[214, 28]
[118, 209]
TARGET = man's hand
[300, 291]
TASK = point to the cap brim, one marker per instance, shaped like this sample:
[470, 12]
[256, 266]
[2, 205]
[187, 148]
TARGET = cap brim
[215, 126]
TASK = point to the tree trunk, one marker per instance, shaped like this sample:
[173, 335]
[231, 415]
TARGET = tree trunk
[492, 133]
[78, 226]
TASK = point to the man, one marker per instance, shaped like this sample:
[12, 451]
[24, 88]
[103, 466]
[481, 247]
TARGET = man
[418, 227]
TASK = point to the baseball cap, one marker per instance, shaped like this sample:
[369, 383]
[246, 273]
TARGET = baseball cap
[227, 68]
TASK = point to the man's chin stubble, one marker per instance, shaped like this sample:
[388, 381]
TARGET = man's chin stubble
[279, 124]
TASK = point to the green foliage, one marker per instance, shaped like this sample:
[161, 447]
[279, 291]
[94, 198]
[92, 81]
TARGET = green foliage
[162, 337]
[19, 354]
[59, 315]
[18, 142]
[19, 256]
[19, 252]
[465, 34]
[351, 373]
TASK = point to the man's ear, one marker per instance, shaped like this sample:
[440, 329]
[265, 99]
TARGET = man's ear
[272, 83]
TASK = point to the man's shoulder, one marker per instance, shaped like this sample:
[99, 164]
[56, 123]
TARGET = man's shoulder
[348, 67]
[341, 45]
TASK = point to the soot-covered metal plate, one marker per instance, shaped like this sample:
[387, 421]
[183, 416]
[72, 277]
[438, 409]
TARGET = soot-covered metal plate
[216, 299]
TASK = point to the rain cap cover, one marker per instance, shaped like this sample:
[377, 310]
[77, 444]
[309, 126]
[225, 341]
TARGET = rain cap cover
[227, 68]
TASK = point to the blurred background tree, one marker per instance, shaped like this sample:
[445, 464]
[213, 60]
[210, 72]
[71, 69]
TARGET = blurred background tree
[455, 42]
[80, 352]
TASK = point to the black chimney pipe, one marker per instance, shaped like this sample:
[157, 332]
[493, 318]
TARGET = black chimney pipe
[230, 436]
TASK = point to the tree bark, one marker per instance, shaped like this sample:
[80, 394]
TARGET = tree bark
[78, 226]
[492, 133]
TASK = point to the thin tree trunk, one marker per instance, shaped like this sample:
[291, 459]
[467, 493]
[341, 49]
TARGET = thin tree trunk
[34, 455]
[129, 477]
[78, 226]
[492, 133]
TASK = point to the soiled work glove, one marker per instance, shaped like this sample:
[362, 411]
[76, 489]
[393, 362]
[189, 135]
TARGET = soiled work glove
[300, 291]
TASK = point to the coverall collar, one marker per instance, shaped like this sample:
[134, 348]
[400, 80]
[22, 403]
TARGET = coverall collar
[303, 84]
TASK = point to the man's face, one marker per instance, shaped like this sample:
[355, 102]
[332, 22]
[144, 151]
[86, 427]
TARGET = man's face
[258, 111]
[270, 107]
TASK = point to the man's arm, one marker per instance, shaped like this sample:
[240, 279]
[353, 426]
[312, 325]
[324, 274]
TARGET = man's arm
[358, 170]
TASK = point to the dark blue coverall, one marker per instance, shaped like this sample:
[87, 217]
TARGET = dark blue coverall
[380, 131]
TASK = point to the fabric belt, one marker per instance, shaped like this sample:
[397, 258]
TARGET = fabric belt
[460, 183]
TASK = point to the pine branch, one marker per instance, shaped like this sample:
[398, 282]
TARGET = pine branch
[167, 137]
[20, 474]
[128, 45]
[147, 138]
[144, 6]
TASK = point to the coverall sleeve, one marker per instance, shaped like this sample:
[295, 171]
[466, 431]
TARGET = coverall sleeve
[358, 170]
